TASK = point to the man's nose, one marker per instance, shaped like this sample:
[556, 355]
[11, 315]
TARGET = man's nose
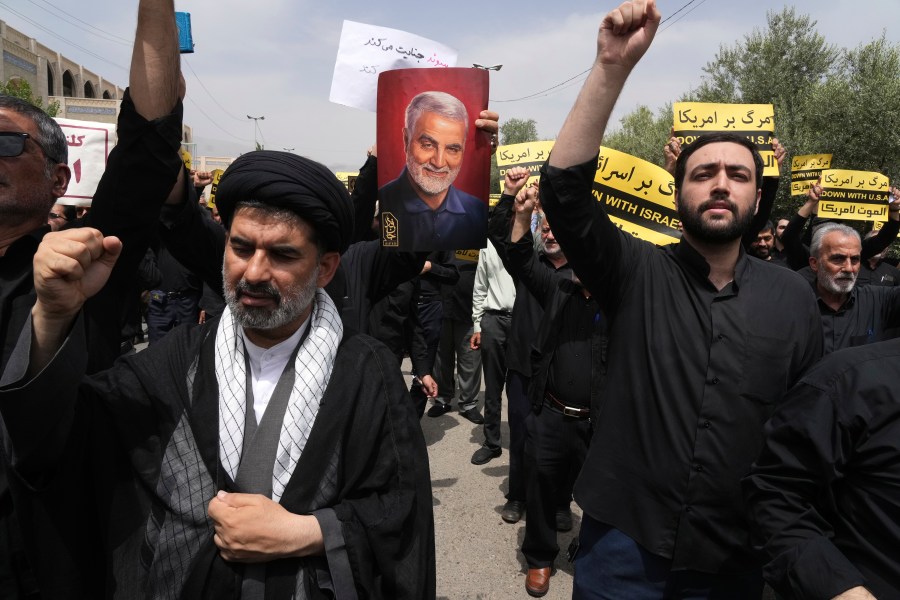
[257, 268]
[438, 157]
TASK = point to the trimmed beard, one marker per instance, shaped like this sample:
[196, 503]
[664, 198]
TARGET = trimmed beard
[289, 306]
[841, 283]
[429, 186]
[715, 233]
[555, 252]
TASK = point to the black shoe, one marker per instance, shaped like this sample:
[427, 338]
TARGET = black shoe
[472, 414]
[484, 455]
[438, 409]
[563, 519]
[512, 511]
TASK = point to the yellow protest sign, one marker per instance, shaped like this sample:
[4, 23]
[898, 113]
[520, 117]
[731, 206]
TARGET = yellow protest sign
[216, 176]
[348, 178]
[493, 199]
[756, 122]
[854, 195]
[806, 170]
[530, 155]
[638, 196]
[468, 255]
[186, 158]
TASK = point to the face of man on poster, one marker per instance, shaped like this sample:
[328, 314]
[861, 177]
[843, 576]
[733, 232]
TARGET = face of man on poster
[435, 146]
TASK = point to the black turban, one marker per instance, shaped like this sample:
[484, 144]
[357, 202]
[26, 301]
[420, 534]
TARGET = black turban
[288, 181]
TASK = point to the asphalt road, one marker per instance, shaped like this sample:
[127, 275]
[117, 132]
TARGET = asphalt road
[478, 556]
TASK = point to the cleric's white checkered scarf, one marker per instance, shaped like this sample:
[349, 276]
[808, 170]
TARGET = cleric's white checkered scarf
[313, 366]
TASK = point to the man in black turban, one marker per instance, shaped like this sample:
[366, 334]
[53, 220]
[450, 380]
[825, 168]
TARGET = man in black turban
[265, 454]
[294, 183]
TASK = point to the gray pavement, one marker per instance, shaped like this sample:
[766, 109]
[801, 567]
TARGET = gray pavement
[478, 556]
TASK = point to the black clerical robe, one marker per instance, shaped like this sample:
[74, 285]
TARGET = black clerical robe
[363, 473]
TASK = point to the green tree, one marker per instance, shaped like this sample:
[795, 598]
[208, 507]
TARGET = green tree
[642, 134]
[21, 89]
[784, 65]
[513, 131]
[518, 131]
[855, 113]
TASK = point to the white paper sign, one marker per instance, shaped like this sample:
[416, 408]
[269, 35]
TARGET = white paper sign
[367, 50]
[89, 147]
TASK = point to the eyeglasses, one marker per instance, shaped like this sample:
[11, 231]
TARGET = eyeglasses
[12, 143]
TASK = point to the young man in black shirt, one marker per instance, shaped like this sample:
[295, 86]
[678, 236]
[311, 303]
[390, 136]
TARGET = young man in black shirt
[703, 342]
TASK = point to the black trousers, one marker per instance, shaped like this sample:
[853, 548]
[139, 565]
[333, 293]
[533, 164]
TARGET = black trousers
[555, 445]
[165, 313]
[494, 328]
[517, 410]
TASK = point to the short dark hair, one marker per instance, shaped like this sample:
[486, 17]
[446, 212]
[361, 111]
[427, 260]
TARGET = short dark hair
[768, 226]
[714, 138]
[49, 134]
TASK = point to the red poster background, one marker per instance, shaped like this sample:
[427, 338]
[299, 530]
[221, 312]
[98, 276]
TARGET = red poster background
[395, 90]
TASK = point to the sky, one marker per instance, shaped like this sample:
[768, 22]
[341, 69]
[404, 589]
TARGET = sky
[275, 58]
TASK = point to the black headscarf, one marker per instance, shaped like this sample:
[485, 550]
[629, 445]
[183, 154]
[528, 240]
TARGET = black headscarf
[292, 182]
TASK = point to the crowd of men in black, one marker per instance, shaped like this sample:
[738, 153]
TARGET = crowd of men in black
[706, 403]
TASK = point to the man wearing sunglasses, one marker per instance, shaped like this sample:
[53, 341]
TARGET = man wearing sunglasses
[37, 555]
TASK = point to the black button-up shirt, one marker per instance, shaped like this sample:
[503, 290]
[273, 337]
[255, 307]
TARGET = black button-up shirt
[870, 314]
[569, 379]
[693, 373]
[824, 494]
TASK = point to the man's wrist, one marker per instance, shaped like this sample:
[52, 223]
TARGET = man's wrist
[306, 537]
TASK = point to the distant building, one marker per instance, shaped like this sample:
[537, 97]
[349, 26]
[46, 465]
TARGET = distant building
[82, 94]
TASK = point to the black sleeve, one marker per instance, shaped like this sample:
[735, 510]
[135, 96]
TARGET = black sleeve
[797, 254]
[885, 237]
[804, 454]
[196, 241]
[364, 196]
[418, 347]
[526, 267]
[149, 277]
[140, 173]
[442, 272]
[500, 223]
[763, 212]
[602, 255]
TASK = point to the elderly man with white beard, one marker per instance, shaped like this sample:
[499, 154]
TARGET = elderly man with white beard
[851, 315]
[427, 211]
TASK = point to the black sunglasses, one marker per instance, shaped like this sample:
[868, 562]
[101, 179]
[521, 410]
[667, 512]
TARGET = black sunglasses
[12, 143]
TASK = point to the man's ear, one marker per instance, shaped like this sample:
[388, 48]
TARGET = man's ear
[61, 177]
[328, 265]
[405, 138]
[814, 264]
[758, 196]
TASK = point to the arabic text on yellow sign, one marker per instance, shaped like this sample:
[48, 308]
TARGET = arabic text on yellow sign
[806, 170]
[638, 196]
[756, 122]
[530, 155]
[854, 195]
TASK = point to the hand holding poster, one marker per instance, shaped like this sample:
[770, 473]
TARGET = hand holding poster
[433, 164]
[638, 196]
[806, 170]
[530, 155]
[756, 122]
[89, 147]
[366, 51]
[854, 195]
